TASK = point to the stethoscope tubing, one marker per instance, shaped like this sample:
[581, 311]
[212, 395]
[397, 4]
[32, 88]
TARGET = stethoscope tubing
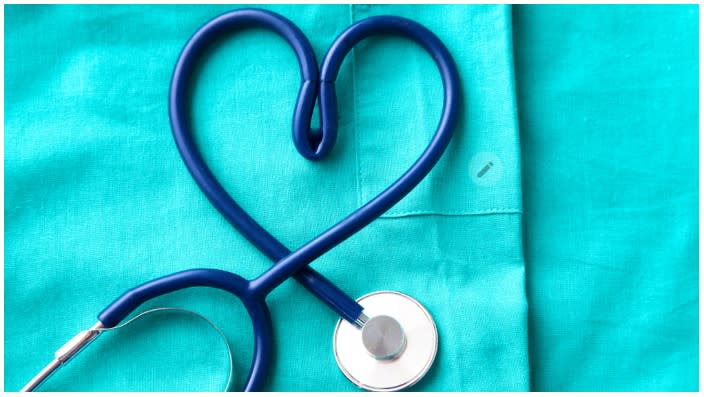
[179, 98]
[295, 264]
[311, 145]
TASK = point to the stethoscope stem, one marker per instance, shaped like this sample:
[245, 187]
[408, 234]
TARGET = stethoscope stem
[64, 354]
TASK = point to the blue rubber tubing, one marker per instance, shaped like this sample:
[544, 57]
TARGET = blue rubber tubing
[311, 144]
[179, 100]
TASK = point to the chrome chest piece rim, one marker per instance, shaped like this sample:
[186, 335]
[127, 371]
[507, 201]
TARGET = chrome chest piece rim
[395, 348]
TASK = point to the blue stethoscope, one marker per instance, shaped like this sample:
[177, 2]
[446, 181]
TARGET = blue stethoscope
[392, 328]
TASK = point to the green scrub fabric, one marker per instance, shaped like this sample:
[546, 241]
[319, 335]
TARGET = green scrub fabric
[600, 191]
[609, 112]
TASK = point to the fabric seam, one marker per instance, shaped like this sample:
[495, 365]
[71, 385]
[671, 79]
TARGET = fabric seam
[488, 211]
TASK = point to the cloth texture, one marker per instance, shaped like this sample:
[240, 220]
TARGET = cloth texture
[608, 107]
[563, 260]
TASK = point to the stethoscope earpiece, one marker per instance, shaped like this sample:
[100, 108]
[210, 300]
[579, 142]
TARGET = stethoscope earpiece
[394, 348]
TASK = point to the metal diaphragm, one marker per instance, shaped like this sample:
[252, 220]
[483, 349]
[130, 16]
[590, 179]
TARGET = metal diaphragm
[395, 348]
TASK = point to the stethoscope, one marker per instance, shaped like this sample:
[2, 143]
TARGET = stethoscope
[388, 340]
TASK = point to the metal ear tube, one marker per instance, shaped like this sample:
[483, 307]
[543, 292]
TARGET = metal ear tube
[64, 354]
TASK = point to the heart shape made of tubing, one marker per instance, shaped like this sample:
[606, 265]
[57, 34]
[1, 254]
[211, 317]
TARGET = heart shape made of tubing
[313, 145]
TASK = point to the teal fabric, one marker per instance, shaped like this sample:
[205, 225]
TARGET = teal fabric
[609, 108]
[98, 200]
[569, 264]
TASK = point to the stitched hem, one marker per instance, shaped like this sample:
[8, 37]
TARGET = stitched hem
[488, 211]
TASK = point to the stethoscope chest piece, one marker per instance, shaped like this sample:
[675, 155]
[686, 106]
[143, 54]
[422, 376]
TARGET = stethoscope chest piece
[395, 347]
